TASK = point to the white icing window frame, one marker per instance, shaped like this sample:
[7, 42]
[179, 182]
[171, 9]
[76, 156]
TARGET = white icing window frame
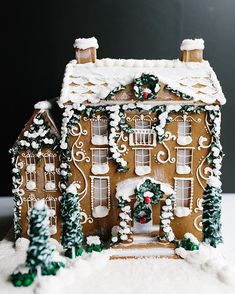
[184, 137]
[98, 167]
[190, 163]
[92, 178]
[99, 119]
[190, 198]
[49, 176]
[139, 166]
[30, 176]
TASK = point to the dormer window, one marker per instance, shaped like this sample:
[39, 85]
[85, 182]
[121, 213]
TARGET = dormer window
[99, 131]
[184, 133]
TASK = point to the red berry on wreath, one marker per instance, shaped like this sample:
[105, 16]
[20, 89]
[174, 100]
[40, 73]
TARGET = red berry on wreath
[147, 200]
[143, 220]
[146, 93]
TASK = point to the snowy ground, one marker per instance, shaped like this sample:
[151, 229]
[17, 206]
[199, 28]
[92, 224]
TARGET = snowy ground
[96, 274]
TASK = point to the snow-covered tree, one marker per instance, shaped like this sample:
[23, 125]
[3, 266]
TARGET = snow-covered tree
[39, 251]
[211, 217]
[72, 236]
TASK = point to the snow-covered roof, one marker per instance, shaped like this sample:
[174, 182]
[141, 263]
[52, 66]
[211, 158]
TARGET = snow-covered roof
[92, 82]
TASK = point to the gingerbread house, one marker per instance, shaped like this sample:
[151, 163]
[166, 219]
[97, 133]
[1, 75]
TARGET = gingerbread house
[140, 139]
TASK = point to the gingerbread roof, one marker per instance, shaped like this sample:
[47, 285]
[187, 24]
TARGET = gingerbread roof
[92, 82]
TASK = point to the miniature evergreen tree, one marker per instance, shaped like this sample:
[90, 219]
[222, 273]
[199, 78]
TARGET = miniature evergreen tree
[72, 236]
[211, 217]
[39, 251]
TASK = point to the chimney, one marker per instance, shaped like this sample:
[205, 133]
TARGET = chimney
[192, 50]
[85, 49]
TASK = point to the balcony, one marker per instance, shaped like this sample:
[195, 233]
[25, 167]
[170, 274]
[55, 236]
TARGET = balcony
[142, 137]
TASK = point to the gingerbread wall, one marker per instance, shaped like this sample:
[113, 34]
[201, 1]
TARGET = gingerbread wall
[163, 168]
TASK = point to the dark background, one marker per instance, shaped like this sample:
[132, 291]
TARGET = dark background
[37, 39]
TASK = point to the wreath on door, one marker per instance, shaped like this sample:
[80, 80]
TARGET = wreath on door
[147, 194]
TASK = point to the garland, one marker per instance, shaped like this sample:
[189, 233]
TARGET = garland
[146, 93]
[147, 194]
[115, 91]
[178, 93]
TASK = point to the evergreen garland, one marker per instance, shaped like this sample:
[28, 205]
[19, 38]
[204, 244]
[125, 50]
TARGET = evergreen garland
[211, 217]
[72, 236]
[178, 93]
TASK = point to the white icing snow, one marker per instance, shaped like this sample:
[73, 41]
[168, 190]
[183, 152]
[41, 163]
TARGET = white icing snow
[192, 44]
[40, 204]
[99, 140]
[93, 240]
[184, 140]
[126, 188]
[227, 275]
[31, 185]
[85, 43]
[100, 211]
[100, 169]
[183, 169]
[191, 237]
[142, 170]
[31, 168]
[72, 188]
[182, 211]
[49, 167]
[43, 105]
[49, 186]
[214, 182]
[52, 230]
[107, 74]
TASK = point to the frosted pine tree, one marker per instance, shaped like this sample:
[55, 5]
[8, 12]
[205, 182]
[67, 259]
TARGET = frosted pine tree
[72, 236]
[211, 217]
[39, 251]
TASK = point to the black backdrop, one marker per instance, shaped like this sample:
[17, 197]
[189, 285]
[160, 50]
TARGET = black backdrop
[37, 38]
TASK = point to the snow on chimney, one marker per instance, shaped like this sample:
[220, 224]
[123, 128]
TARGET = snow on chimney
[86, 49]
[192, 50]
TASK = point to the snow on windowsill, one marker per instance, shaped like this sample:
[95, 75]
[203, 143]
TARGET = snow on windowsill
[184, 140]
[183, 169]
[142, 170]
[100, 211]
[182, 211]
[100, 169]
[99, 140]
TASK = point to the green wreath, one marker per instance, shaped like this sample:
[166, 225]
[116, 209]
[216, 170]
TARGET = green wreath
[145, 87]
[142, 211]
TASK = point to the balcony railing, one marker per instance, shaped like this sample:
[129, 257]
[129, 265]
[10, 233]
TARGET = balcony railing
[142, 137]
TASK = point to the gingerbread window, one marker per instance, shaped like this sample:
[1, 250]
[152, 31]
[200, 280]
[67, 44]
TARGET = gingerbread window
[184, 160]
[51, 203]
[99, 161]
[184, 196]
[99, 132]
[30, 171]
[49, 171]
[184, 133]
[142, 161]
[100, 193]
